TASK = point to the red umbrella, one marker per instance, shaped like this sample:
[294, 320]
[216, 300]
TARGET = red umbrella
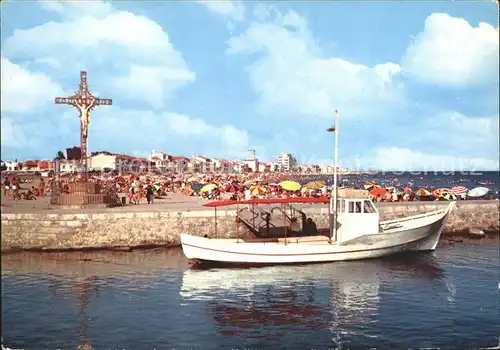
[378, 191]
[458, 190]
[233, 187]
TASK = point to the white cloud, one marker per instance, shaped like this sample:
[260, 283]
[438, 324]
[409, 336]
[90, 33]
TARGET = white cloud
[12, 134]
[148, 82]
[77, 8]
[115, 47]
[452, 52]
[23, 91]
[293, 76]
[231, 9]
[468, 136]
[146, 130]
[447, 141]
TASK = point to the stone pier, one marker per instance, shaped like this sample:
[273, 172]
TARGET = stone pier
[129, 229]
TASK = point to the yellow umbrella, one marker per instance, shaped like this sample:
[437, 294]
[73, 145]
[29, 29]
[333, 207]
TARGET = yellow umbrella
[289, 185]
[369, 186]
[448, 196]
[208, 187]
[314, 185]
[257, 190]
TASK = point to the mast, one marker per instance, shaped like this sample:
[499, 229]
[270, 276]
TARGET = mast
[335, 161]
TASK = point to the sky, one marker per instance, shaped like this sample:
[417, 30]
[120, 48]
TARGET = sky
[416, 83]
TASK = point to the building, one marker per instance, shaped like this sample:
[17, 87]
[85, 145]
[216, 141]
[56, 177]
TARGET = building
[122, 163]
[286, 162]
[198, 164]
[163, 162]
[252, 164]
[70, 166]
[73, 153]
[12, 165]
[179, 164]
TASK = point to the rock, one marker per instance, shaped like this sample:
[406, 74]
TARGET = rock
[476, 233]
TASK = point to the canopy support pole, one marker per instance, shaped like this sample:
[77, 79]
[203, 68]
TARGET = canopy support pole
[283, 208]
[329, 223]
[215, 221]
[237, 223]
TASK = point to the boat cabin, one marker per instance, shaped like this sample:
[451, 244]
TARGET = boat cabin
[356, 214]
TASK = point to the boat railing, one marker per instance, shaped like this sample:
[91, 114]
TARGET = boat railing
[419, 216]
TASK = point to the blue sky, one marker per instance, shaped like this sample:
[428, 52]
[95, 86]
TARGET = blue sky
[416, 83]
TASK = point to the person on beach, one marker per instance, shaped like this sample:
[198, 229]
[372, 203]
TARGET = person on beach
[6, 186]
[41, 188]
[149, 194]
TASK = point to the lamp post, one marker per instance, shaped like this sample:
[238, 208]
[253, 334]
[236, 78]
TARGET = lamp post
[335, 129]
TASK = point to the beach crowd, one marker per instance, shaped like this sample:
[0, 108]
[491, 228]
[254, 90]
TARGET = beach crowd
[146, 188]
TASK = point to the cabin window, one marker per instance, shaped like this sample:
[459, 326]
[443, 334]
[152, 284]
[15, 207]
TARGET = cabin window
[340, 206]
[357, 208]
[368, 207]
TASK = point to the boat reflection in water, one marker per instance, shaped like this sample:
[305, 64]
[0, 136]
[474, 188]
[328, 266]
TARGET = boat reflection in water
[341, 296]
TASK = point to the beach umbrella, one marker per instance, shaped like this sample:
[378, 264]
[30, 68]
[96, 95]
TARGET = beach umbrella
[440, 191]
[249, 182]
[314, 185]
[156, 186]
[378, 191]
[257, 190]
[422, 193]
[208, 187]
[196, 187]
[232, 188]
[289, 185]
[369, 186]
[478, 192]
[448, 196]
[459, 190]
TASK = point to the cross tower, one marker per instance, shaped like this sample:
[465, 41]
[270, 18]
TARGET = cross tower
[84, 101]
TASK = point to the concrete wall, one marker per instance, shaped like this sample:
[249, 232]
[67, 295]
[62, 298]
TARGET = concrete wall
[44, 230]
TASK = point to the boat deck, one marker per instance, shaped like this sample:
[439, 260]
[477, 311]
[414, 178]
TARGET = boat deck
[289, 240]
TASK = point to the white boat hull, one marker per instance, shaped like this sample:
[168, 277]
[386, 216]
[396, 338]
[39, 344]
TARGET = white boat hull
[416, 233]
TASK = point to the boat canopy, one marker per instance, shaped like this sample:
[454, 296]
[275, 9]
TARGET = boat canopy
[352, 193]
[298, 200]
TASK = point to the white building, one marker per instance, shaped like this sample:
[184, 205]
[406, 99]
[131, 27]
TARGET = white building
[180, 164]
[286, 161]
[252, 164]
[163, 162]
[266, 167]
[11, 165]
[119, 162]
[70, 166]
[200, 164]
[239, 166]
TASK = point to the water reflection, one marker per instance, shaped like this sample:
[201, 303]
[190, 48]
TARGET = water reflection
[98, 263]
[82, 276]
[341, 296]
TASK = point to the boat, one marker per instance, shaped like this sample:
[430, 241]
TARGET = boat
[354, 230]
[359, 233]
